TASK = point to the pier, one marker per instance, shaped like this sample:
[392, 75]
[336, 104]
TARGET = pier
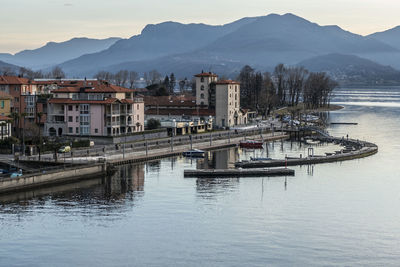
[354, 149]
[263, 172]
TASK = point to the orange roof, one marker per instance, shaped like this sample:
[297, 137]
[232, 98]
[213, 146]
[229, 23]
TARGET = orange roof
[13, 80]
[181, 101]
[181, 112]
[227, 82]
[97, 87]
[72, 101]
[206, 74]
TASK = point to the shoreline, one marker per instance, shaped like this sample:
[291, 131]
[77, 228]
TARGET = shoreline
[300, 108]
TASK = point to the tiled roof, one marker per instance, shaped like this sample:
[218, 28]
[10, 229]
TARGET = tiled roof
[175, 101]
[72, 101]
[97, 87]
[13, 80]
[181, 112]
[206, 74]
[227, 82]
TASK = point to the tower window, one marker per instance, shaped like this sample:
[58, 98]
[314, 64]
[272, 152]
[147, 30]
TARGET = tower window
[202, 87]
[202, 79]
[202, 96]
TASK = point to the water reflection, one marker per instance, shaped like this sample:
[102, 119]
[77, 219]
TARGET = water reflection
[101, 192]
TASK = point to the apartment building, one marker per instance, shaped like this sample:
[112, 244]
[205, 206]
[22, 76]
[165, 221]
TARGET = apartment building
[94, 109]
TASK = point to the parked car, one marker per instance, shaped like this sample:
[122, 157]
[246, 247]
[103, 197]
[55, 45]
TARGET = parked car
[64, 149]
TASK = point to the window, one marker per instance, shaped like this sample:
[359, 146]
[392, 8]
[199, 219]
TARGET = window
[70, 130]
[202, 96]
[2, 103]
[77, 108]
[70, 108]
[202, 79]
[77, 130]
[16, 99]
[202, 87]
[137, 117]
[77, 118]
[96, 130]
[70, 119]
[138, 106]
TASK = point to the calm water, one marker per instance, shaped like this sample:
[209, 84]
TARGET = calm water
[344, 214]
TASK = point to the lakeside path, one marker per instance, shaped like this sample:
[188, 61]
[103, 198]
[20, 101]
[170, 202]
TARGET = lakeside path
[156, 153]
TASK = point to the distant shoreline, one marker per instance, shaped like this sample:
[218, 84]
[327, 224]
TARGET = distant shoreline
[331, 107]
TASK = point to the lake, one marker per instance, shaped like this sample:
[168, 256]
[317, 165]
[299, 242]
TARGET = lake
[345, 214]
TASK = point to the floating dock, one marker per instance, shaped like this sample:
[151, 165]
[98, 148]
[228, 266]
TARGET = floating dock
[213, 173]
[344, 123]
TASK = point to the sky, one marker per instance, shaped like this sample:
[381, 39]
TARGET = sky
[29, 24]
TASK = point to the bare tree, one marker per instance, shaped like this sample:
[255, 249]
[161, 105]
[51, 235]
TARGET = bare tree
[280, 75]
[154, 76]
[133, 76]
[7, 71]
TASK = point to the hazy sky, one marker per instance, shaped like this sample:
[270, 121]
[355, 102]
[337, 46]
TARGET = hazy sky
[27, 24]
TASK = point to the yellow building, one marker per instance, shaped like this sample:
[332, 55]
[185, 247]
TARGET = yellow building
[5, 104]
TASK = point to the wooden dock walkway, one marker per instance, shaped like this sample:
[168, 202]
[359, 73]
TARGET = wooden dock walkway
[215, 173]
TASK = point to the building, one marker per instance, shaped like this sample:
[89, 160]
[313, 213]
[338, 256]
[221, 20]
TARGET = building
[204, 86]
[227, 104]
[221, 96]
[216, 101]
[175, 108]
[5, 104]
[95, 109]
[5, 127]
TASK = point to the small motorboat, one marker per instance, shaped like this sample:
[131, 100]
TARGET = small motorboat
[312, 142]
[194, 153]
[251, 144]
[259, 159]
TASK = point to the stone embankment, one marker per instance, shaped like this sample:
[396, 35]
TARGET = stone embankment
[66, 174]
[354, 149]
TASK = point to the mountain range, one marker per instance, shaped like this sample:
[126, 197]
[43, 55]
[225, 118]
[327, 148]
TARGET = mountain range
[55, 53]
[261, 42]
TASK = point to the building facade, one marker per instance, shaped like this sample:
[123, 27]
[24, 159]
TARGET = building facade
[100, 109]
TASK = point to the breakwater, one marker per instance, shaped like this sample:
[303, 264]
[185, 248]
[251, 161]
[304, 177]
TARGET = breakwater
[354, 149]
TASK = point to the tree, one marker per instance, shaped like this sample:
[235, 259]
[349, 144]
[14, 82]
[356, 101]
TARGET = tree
[172, 83]
[57, 73]
[246, 80]
[166, 83]
[153, 124]
[295, 84]
[7, 71]
[280, 75]
[133, 76]
[154, 76]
